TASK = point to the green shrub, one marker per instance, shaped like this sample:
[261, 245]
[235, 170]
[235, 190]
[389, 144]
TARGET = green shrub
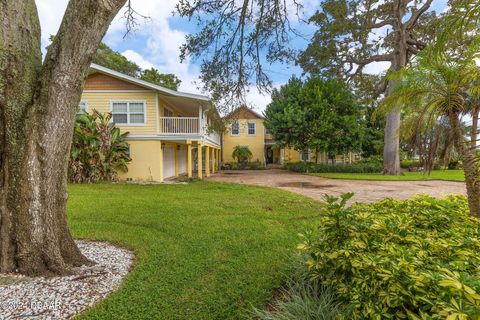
[310, 167]
[244, 166]
[407, 163]
[99, 149]
[415, 259]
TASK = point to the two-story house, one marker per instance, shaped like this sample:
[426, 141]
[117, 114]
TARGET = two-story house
[245, 127]
[169, 133]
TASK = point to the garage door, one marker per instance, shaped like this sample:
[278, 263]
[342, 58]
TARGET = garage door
[182, 160]
[168, 162]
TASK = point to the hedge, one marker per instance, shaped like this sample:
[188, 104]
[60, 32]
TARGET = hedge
[414, 259]
[309, 167]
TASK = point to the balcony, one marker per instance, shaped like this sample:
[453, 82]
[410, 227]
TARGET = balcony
[179, 126]
[187, 128]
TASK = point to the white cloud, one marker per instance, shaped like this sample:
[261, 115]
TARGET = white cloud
[155, 43]
[138, 59]
[377, 67]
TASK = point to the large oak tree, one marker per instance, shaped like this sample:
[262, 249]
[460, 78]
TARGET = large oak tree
[38, 101]
[237, 38]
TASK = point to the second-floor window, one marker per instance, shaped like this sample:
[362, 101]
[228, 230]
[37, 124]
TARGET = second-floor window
[251, 129]
[128, 112]
[235, 129]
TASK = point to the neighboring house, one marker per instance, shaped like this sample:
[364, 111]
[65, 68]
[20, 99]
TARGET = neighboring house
[169, 133]
[245, 127]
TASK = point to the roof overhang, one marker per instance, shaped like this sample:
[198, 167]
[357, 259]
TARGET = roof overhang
[190, 101]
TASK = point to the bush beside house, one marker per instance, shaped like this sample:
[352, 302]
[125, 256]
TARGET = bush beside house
[98, 149]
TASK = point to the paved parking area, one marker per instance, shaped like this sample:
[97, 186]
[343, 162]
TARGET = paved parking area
[316, 187]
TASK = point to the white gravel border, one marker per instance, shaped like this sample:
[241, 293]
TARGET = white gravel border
[64, 297]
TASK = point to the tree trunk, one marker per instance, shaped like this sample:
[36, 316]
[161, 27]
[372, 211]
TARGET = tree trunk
[391, 148]
[470, 165]
[38, 103]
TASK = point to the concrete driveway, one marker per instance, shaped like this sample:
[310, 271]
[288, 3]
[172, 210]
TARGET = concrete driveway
[316, 187]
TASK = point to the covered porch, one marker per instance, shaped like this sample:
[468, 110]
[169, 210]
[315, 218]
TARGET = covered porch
[192, 159]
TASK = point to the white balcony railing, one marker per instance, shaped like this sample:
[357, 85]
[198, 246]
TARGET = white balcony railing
[179, 125]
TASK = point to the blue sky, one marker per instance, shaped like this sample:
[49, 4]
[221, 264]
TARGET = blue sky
[156, 42]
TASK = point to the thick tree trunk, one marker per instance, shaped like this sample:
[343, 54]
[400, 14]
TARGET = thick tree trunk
[391, 148]
[470, 165]
[37, 109]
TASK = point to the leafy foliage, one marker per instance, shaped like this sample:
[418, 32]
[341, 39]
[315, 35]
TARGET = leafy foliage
[323, 168]
[168, 80]
[98, 150]
[415, 259]
[251, 165]
[114, 60]
[322, 115]
[242, 154]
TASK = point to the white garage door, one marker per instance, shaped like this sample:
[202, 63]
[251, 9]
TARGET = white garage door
[168, 162]
[182, 160]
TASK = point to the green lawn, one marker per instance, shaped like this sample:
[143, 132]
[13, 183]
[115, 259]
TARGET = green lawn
[451, 175]
[204, 250]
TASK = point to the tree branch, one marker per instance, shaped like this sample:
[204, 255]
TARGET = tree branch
[416, 15]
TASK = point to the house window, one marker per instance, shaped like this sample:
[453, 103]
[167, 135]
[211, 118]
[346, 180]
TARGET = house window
[235, 130]
[82, 108]
[251, 129]
[306, 155]
[128, 112]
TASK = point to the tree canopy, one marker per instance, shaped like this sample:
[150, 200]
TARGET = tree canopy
[322, 115]
[114, 60]
[167, 80]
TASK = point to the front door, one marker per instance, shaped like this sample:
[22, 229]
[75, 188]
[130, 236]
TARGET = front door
[269, 155]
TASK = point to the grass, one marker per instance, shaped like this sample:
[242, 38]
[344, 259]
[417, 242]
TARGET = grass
[204, 250]
[450, 175]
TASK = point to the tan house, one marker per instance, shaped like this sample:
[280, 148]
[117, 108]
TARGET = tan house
[169, 130]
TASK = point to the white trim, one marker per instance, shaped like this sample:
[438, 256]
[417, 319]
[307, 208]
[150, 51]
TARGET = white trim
[157, 114]
[146, 84]
[118, 91]
[254, 127]
[128, 124]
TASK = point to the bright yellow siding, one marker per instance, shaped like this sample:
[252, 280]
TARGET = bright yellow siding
[254, 143]
[101, 102]
[145, 163]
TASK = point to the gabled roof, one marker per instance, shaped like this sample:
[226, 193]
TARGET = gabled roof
[148, 85]
[246, 109]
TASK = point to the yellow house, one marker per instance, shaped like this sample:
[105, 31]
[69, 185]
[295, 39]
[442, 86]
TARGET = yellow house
[245, 127]
[169, 132]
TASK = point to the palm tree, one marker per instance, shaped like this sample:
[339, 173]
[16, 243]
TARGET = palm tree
[242, 154]
[444, 83]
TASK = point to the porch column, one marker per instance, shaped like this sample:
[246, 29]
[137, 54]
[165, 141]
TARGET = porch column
[176, 160]
[161, 162]
[189, 159]
[200, 161]
[207, 161]
[214, 159]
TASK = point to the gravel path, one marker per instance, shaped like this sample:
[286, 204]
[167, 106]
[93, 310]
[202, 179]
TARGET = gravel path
[63, 297]
[316, 187]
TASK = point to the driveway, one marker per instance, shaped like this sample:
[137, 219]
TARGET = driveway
[316, 187]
